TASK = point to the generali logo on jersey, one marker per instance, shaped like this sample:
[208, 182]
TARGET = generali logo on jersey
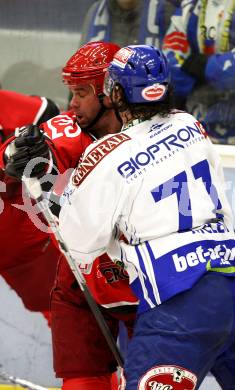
[153, 92]
[168, 378]
[96, 155]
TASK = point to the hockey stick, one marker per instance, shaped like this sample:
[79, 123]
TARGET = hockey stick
[34, 189]
[20, 382]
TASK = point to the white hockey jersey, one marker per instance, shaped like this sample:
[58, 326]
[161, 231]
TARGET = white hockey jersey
[160, 184]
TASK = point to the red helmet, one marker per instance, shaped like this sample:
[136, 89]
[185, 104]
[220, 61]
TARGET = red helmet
[88, 65]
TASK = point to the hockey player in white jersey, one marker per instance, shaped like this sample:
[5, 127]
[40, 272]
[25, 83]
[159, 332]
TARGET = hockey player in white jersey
[159, 182]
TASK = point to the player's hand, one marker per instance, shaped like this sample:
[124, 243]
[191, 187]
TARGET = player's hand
[21, 153]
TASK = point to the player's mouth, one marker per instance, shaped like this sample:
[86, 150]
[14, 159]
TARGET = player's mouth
[81, 120]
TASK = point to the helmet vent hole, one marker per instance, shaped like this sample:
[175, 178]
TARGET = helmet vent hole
[147, 69]
[131, 65]
[161, 69]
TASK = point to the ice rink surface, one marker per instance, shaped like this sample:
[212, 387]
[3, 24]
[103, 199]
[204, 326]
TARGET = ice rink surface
[25, 341]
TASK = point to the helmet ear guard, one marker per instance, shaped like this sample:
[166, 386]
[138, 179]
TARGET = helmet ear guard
[88, 65]
[142, 71]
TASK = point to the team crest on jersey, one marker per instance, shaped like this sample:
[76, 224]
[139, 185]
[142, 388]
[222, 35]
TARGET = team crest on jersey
[111, 271]
[168, 378]
[153, 92]
[122, 56]
[96, 155]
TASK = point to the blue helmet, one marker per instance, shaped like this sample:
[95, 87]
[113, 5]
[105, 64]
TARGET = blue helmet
[142, 71]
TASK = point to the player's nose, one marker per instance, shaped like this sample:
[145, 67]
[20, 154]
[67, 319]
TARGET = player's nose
[74, 103]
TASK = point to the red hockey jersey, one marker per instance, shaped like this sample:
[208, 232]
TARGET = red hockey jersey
[108, 282]
[28, 258]
[18, 110]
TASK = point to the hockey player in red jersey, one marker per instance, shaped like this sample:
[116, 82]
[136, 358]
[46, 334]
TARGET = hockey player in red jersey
[28, 257]
[81, 355]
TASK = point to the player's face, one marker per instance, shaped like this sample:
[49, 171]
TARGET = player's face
[85, 104]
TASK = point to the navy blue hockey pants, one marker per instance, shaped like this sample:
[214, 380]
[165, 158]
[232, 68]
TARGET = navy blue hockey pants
[194, 330]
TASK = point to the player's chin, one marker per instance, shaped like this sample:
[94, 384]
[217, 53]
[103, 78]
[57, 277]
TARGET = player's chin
[83, 122]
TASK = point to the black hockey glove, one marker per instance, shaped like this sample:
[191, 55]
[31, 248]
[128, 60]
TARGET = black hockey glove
[27, 146]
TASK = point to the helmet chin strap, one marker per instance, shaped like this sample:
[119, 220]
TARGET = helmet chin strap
[118, 116]
[116, 110]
